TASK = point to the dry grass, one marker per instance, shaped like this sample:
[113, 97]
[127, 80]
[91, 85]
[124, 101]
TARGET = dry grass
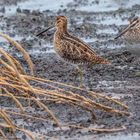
[15, 84]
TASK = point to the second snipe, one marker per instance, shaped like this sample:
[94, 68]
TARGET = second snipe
[72, 49]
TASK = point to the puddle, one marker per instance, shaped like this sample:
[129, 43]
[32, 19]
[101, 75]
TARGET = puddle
[112, 46]
[118, 85]
[111, 84]
[106, 83]
[5, 44]
[90, 6]
[100, 6]
[106, 31]
[89, 40]
[107, 5]
[114, 84]
[38, 52]
[40, 5]
[134, 136]
[109, 20]
[95, 6]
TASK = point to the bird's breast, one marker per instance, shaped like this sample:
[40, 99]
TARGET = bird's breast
[132, 36]
[58, 45]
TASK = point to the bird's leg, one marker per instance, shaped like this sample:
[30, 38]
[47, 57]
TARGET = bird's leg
[81, 76]
[137, 74]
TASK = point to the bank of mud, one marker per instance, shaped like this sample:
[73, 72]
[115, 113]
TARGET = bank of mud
[97, 28]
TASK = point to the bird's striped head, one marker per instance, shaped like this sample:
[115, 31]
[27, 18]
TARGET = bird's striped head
[134, 23]
[61, 22]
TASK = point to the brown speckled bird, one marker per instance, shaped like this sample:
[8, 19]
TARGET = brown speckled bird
[71, 48]
[132, 32]
[131, 35]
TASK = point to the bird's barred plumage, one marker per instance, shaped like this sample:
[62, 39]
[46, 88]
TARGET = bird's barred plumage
[132, 32]
[73, 49]
[131, 36]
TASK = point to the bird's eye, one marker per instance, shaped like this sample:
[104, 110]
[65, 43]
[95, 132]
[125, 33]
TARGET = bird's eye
[57, 18]
[58, 21]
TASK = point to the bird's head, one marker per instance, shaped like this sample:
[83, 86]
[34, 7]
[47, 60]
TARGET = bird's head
[133, 23]
[60, 24]
[61, 21]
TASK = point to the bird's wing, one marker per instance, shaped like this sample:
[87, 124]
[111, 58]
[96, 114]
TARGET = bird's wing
[78, 42]
[77, 51]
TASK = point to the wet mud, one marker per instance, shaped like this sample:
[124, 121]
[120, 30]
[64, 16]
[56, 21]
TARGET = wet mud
[97, 23]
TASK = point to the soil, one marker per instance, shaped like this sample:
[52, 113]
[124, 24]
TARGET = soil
[97, 28]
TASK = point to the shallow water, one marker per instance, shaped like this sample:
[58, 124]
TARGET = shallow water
[91, 6]
[107, 27]
[108, 20]
[40, 5]
[134, 136]
[106, 31]
[107, 5]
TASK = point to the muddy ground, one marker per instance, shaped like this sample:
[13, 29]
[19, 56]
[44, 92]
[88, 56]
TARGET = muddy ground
[97, 28]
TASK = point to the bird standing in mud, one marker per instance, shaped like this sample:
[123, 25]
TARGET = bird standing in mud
[71, 48]
[131, 35]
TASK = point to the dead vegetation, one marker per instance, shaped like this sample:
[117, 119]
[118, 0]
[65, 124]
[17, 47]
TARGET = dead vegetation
[20, 87]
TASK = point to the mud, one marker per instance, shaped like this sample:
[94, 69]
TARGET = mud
[96, 22]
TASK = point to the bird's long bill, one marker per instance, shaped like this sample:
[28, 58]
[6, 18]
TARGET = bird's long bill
[126, 29]
[50, 27]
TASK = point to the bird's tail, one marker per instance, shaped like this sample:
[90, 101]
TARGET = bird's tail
[105, 62]
[101, 60]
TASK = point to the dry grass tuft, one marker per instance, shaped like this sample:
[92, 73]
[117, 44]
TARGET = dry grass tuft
[15, 84]
[19, 47]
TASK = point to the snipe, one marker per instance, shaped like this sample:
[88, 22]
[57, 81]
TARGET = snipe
[131, 35]
[71, 48]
